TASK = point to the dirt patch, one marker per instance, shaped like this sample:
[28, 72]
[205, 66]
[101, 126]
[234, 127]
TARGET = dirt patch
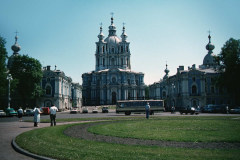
[80, 131]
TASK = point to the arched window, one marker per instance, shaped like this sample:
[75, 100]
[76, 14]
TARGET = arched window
[127, 48]
[103, 62]
[129, 81]
[112, 50]
[48, 90]
[121, 48]
[113, 61]
[194, 89]
[113, 80]
[164, 94]
[103, 49]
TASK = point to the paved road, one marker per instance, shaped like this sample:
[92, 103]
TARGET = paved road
[10, 127]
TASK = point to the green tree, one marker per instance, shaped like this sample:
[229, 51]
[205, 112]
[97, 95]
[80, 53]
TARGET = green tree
[3, 74]
[27, 75]
[229, 61]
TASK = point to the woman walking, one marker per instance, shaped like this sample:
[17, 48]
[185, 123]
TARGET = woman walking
[37, 113]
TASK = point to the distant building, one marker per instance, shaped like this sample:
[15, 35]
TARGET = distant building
[192, 87]
[112, 78]
[59, 90]
[57, 87]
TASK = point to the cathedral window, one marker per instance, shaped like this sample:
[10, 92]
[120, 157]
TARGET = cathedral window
[112, 50]
[127, 48]
[48, 90]
[194, 79]
[113, 61]
[121, 48]
[103, 62]
[212, 89]
[113, 80]
[194, 89]
[129, 81]
[103, 49]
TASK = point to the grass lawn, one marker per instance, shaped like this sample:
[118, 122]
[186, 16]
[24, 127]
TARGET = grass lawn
[51, 141]
[183, 129]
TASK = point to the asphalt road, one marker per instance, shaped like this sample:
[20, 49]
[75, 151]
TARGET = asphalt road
[10, 127]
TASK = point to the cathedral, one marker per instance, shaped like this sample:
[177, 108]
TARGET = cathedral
[112, 79]
[193, 86]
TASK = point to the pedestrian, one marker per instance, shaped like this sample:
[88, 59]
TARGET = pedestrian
[173, 109]
[20, 113]
[147, 108]
[37, 113]
[53, 111]
[227, 109]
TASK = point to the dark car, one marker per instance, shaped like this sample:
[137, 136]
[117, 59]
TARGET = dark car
[105, 110]
[29, 112]
[190, 110]
[235, 110]
[208, 108]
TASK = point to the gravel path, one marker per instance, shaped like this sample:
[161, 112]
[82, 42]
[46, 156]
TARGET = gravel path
[80, 131]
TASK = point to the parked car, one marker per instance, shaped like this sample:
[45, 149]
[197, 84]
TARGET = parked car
[74, 111]
[208, 108]
[104, 109]
[95, 110]
[235, 110]
[187, 110]
[2, 113]
[11, 112]
[85, 110]
[29, 112]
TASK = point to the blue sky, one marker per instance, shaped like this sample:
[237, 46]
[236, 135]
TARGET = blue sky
[64, 32]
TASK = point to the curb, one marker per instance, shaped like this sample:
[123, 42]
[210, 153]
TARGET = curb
[22, 151]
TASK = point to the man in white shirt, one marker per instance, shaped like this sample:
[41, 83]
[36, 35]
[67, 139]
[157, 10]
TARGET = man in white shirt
[147, 108]
[53, 111]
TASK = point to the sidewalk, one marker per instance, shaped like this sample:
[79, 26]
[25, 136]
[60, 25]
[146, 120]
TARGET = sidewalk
[10, 130]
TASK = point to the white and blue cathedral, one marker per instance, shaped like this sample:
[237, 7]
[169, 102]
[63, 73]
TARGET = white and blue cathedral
[193, 86]
[112, 79]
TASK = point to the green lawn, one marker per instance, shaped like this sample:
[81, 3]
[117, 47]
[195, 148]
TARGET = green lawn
[53, 143]
[183, 129]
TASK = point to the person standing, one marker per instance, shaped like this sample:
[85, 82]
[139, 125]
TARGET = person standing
[20, 114]
[53, 111]
[147, 108]
[37, 113]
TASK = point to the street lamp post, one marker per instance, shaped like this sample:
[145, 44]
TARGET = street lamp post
[9, 78]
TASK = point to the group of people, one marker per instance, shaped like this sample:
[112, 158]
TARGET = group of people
[37, 111]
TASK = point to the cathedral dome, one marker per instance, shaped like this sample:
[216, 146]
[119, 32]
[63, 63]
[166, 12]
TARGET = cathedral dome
[112, 40]
[16, 48]
[209, 60]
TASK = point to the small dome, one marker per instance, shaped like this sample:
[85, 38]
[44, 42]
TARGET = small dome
[210, 46]
[16, 47]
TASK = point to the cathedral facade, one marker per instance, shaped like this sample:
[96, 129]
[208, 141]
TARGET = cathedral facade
[193, 86]
[112, 79]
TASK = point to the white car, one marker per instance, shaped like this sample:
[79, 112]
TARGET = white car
[85, 110]
[95, 110]
[2, 113]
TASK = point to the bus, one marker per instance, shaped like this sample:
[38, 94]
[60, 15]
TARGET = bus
[129, 106]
